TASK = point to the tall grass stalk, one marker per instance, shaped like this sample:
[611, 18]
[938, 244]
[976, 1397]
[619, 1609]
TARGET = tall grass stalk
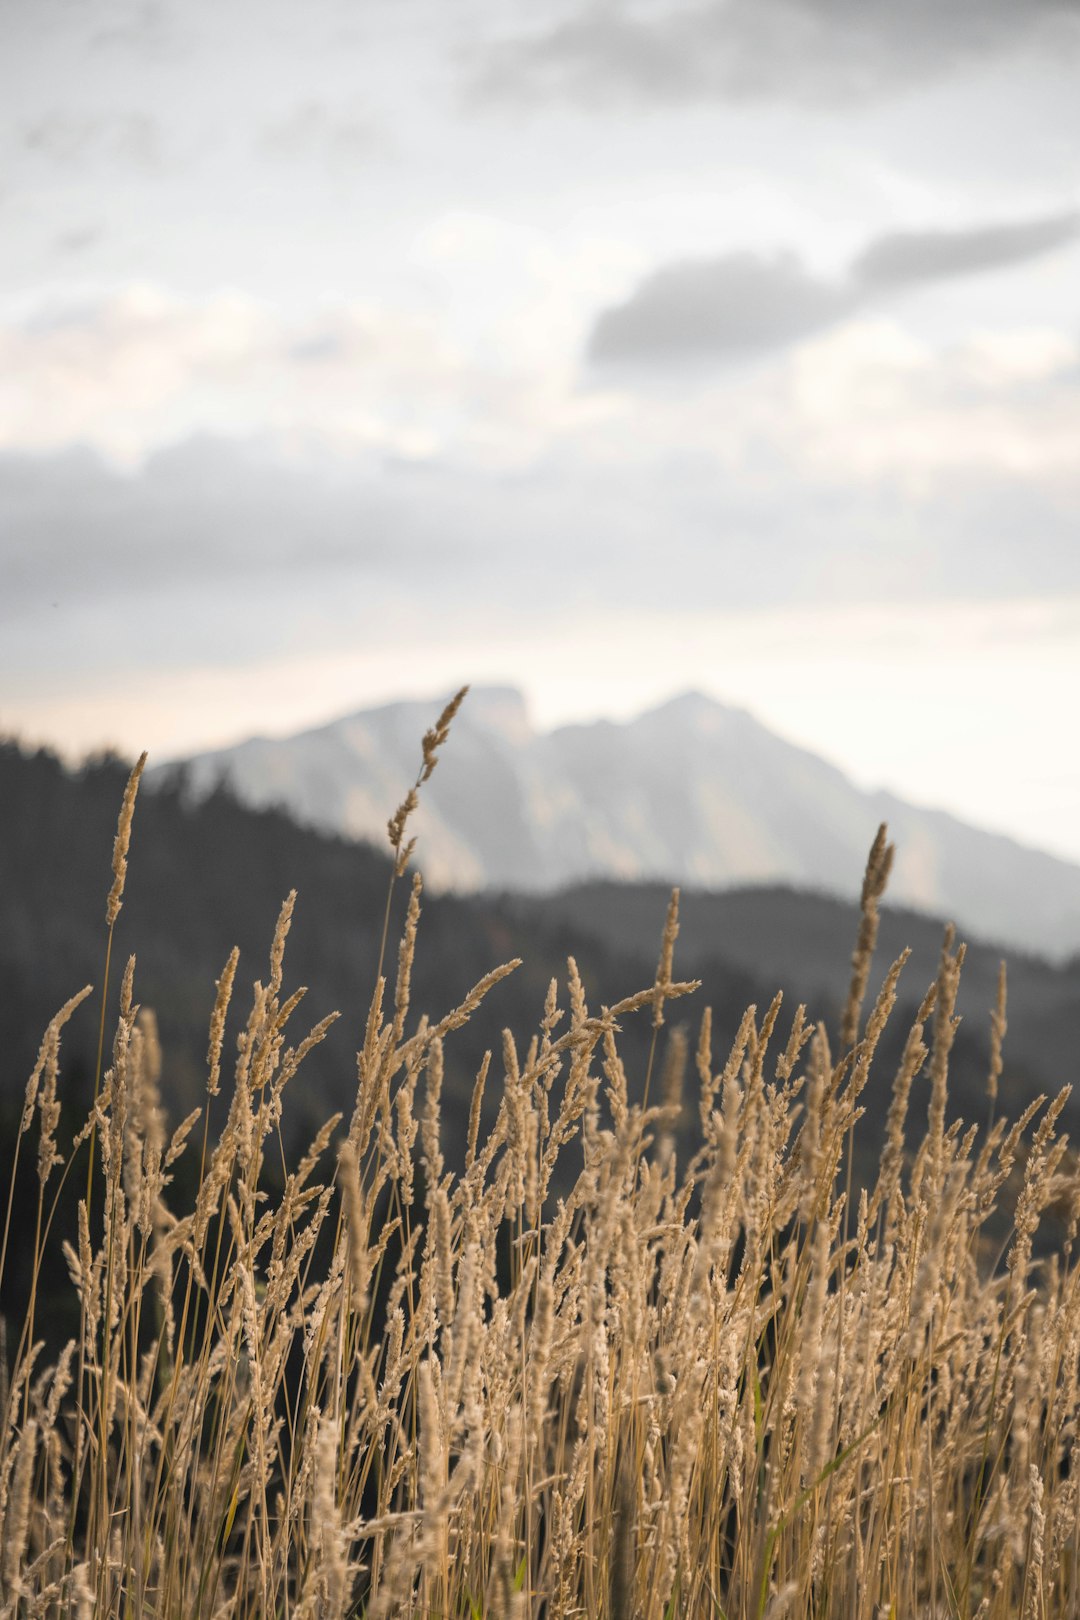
[586, 1371]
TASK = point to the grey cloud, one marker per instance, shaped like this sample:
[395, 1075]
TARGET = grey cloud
[77, 240]
[744, 304]
[214, 554]
[226, 552]
[334, 337]
[320, 346]
[810, 50]
[906, 257]
[71, 139]
[225, 549]
[59, 137]
[340, 138]
[723, 308]
[144, 27]
[222, 545]
[203, 513]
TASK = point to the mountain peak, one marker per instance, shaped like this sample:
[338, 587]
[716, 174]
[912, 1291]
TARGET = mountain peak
[693, 704]
[693, 791]
[500, 709]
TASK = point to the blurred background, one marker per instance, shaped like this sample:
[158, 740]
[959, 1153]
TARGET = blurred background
[606, 350]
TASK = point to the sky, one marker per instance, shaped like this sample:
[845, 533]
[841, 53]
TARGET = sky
[359, 348]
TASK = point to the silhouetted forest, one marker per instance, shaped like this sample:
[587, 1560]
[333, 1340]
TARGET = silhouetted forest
[206, 876]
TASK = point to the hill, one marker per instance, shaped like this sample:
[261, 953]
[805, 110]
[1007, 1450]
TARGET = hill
[207, 874]
[210, 873]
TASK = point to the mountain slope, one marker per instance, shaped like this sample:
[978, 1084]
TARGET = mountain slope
[693, 792]
[209, 875]
[777, 938]
[206, 876]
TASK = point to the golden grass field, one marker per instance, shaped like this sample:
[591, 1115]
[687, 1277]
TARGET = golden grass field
[580, 1374]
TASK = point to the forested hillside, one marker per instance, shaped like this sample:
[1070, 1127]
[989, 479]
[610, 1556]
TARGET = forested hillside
[210, 874]
[205, 876]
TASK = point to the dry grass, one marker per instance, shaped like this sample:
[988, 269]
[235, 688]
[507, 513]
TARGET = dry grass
[724, 1387]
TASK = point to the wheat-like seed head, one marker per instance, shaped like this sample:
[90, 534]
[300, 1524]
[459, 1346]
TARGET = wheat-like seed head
[563, 1372]
[122, 842]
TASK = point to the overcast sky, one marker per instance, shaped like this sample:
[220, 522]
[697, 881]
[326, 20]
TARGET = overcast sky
[357, 348]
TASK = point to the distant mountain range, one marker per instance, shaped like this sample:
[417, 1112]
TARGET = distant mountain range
[694, 792]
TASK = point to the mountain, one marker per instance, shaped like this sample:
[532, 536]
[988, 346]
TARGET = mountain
[693, 792]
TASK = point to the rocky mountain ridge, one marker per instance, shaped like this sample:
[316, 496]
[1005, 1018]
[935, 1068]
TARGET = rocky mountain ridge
[693, 791]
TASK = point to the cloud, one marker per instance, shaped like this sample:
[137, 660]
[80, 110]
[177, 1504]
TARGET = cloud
[862, 468]
[868, 406]
[146, 28]
[73, 139]
[816, 51]
[906, 257]
[139, 367]
[242, 541]
[205, 511]
[79, 239]
[723, 308]
[700, 312]
[129, 373]
[342, 139]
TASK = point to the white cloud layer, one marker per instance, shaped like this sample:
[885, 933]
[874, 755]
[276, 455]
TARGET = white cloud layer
[864, 403]
[138, 368]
